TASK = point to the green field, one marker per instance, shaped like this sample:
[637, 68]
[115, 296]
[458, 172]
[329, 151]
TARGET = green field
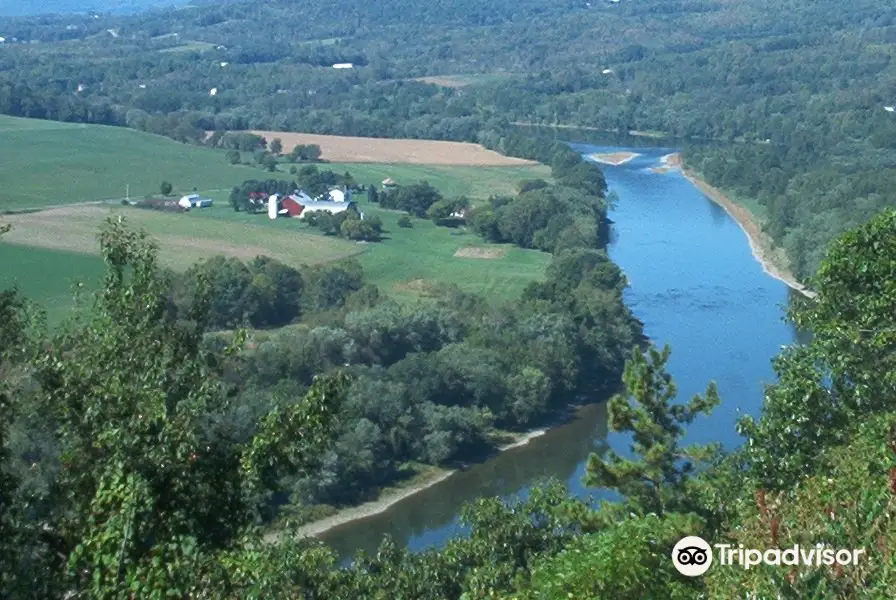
[47, 163]
[51, 164]
[183, 239]
[477, 183]
[48, 276]
[407, 264]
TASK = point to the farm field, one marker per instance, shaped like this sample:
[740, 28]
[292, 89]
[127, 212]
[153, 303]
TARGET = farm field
[60, 167]
[183, 238]
[337, 148]
[477, 183]
[48, 276]
[408, 264]
[48, 163]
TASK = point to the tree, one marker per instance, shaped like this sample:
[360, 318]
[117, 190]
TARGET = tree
[233, 157]
[154, 498]
[368, 229]
[372, 195]
[405, 221]
[166, 188]
[276, 146]
[848, 369]
[654, 482]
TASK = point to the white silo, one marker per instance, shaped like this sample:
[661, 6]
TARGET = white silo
[272, 206]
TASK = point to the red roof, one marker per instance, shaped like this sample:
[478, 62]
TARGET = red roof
[293, 208]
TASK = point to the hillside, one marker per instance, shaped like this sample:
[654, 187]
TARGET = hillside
[65, 163]
[800, 99]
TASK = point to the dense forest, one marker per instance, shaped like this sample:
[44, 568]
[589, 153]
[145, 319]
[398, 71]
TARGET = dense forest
[792, 103]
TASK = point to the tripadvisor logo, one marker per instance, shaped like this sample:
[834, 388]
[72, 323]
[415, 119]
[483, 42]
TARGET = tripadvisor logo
[692, 556]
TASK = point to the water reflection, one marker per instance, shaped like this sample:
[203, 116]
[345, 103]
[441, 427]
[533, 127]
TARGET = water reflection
[432, 514]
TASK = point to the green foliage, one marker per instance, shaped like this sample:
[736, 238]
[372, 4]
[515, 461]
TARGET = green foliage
[449, 212]
[149, 492]
[305, 152]
[415, 199]
[847, 503]
[627, 560]
[404, 221]
[846, 371]
[166, 188]
[368, 229]
[265, 293]
[655, 481]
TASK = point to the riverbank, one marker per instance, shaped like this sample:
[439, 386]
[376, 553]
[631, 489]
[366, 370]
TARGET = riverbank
[669, 162]
[772, 260]
[390, 498]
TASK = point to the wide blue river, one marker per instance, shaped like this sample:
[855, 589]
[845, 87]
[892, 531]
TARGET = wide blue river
[695, 285]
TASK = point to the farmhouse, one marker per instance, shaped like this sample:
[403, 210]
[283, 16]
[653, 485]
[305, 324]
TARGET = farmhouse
[389, 183]
[343, 66]
[299, 204]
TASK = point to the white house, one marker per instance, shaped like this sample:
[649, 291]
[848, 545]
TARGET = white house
[337, 195]
[343, 66]
[194, 201]
[890, 108]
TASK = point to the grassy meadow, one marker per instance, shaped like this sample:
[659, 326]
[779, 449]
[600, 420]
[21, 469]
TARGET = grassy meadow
[411, 261]
[58, 167]
[477, 183]
[48, 163]
[48, 276]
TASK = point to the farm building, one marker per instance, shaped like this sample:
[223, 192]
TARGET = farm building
[299, 204]
[337, 195]
[343, 66]
[194, 201]
[326, 206]
[389, 183]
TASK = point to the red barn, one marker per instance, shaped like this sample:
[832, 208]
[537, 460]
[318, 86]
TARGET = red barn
[292, 206]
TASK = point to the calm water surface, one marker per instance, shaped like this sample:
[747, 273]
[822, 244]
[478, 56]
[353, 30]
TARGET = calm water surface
[695, 285]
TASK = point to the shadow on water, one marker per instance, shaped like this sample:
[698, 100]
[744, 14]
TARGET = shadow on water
[430, 517]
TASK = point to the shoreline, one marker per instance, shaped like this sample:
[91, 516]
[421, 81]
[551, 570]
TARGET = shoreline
[614, 159]
[760, 245]
[387, 501]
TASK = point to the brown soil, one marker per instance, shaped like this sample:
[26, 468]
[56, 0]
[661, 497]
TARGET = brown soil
[487, 253]
[615, 158]
[762, 246]
[338, 148]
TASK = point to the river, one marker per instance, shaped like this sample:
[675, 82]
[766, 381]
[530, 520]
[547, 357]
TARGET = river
[695, 285]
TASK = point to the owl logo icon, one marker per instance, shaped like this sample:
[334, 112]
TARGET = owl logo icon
[692, 556]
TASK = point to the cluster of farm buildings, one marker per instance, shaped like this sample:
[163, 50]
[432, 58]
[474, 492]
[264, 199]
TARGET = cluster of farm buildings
[300, 205]
[296, 205]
